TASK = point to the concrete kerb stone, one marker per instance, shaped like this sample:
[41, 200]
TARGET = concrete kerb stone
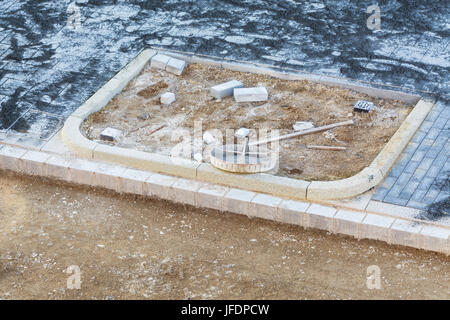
[348, 222]
[358, 224]
[292, 188]
[405, 233]
[238, 201]
[265, 206]
[210, 196]
[9, 158]
[73, 139]
[135, 182]
[293, 212]
[435, 238]
[261, 182]
[320, 217]
[146, 161]
[34, 163]
[376, 227]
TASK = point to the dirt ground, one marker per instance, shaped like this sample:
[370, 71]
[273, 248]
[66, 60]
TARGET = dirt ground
[137, 111]
[135, 248]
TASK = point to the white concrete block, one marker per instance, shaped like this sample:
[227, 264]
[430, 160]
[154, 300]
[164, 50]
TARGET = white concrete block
[135, 182]
[376, 227]
[58, 167]
[210, 196]
[238, 201]
[167, 98]
[293, 212]
[225, 89]
[159, 61]
[9, 158]
[81, 171]
[320, 217]
[302, 125]
[348, 222]
[404, 232]
[111, 134]
[160, 186]
[435, 238]
[251, 94]
[209, 138]
[34, 163]
[265, 206]
[242, 132]
[175, 66]
[184, 191]
[108, 176]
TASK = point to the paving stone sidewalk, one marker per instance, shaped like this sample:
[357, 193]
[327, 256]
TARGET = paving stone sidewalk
[48, 67]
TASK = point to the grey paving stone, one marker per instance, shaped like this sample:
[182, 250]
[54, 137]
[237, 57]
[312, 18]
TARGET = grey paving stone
[396, 171]
[417, 204]
[380, 194]
[425, 164]
[408, 190]
[411, 167]
[395, 200]
[418, 175]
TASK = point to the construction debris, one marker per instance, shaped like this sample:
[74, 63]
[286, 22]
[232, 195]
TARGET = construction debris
[175, 66]
[363, 106]
[167, 98]
[242, 133]
[302, 125]
[209, 138]
[251, 94]
[333, 148]
[225, 89]
[160, 61]
[110, 134]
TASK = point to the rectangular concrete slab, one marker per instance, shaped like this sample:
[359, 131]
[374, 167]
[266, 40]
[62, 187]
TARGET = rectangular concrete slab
[160, 61]
[175, 66]
[250, 94]
[225, 89]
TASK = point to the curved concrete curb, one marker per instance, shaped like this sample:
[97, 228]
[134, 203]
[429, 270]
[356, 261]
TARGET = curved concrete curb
[265, 183]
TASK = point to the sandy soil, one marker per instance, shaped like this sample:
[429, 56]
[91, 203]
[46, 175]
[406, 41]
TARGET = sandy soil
[134, 248]
[137, 111]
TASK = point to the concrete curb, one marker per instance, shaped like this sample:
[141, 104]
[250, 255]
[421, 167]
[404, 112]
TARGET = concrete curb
[368, 224]
[270, 184]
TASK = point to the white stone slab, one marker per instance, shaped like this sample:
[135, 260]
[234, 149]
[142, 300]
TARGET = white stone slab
[225, 89]
[175, 66]
[110, 134]
[251, 94]
[167, 98]
[238, 201]
[160, 61]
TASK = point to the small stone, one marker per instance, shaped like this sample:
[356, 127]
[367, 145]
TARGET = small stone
[175, 66]
[363, 106]
[144, 116]
[242, 133]
[198, 157]
[167, 98]
[110, 134]
[209, 138]
[250, 94]
[159, 61]
[303, 125]
[225, 89]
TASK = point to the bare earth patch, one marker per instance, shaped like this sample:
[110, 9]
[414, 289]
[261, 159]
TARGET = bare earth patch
[137, 111]
[136, 248]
